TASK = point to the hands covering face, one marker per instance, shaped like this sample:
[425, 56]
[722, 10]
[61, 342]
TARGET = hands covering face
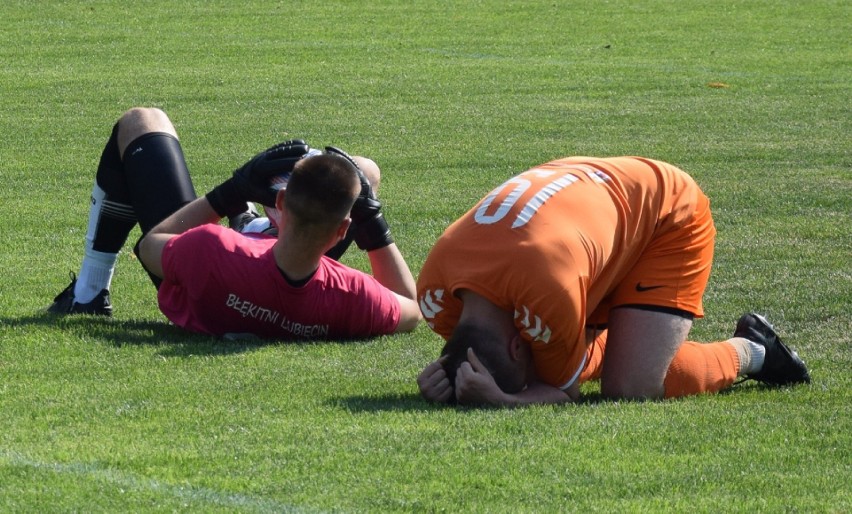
[474, 385]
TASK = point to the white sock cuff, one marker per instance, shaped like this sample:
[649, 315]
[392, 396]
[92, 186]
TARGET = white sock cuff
[101, 258]
[758, 355]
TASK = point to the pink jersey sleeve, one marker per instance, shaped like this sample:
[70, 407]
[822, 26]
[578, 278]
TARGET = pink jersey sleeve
[368, 307]
[183, 256]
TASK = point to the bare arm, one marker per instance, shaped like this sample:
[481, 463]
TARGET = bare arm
[391, 270]
[539, 392]
[194, 214]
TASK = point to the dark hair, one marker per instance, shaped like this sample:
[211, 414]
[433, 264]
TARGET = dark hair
[321, 190]
[491, 350]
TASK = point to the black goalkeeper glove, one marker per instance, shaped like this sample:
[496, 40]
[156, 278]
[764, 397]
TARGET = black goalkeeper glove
[252, 182]
[369, 225]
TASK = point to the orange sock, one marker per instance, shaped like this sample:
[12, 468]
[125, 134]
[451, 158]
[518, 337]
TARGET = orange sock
[701, 368]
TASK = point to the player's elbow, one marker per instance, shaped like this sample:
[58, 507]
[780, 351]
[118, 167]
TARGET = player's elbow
[410, 315]
[149, 249]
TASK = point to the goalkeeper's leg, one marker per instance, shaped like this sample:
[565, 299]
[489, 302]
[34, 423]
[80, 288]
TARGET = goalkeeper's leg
[144, 185]
[111, 218]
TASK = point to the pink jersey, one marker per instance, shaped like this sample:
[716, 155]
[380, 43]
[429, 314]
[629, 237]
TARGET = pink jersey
[218, 281]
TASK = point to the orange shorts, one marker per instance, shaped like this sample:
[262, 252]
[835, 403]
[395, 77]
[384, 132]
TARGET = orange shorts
[672, 272]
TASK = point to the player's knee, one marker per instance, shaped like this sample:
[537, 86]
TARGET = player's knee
[143, 117]
[371, 171]
[138, 121]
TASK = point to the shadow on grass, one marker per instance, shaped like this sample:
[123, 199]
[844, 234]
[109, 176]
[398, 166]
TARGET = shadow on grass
[176, 341]
[385, 403]
[414, 402]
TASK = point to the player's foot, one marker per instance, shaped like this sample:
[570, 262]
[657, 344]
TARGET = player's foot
[781, 366]
[64, 302]
[242, 219]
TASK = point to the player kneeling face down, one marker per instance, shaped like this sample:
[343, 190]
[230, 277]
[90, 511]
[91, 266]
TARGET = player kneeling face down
[580, 269]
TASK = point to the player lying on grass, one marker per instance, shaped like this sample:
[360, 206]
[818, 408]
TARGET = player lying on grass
[214, 280]
[523, 285]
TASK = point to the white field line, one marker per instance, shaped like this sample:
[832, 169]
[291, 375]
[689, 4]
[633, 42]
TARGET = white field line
[126, 480]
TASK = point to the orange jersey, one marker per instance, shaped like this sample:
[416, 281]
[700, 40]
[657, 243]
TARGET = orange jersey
[562, 243]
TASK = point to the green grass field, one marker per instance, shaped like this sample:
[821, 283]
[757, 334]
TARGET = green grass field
[450, 98]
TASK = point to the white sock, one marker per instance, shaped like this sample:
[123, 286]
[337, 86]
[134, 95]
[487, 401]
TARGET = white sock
[751, 355]
[95, 275]
[97, 267]
[758, 355]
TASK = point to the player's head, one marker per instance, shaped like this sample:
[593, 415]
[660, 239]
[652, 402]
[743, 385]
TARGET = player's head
[492, 348]
[321, 191]
[279, 182]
